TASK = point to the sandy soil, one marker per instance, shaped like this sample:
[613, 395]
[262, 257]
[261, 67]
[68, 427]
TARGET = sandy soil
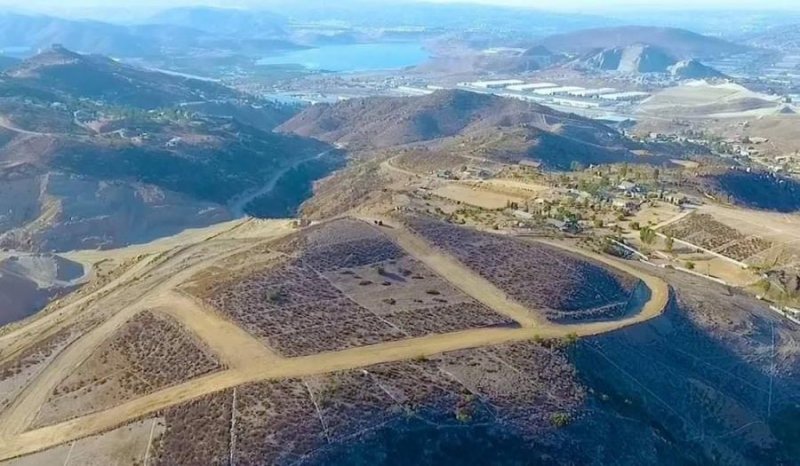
[685, 163]
[232, 345]
[783, 230]
[777, 227]
[658, 214]
[520, 188]
[701, 98]
[130, 444]
[476, 196]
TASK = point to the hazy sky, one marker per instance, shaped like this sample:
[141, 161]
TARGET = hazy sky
[563, 5]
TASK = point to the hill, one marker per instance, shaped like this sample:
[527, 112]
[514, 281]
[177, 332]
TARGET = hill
[62, 71]
[631, 59]
[639, 58]
[679, 43]
[785, 38]
[503, 129]
[29, 34]
[94, 153]
[349, 343]
[225, 21]
[693, 69]
[757, 190]
[701, 97]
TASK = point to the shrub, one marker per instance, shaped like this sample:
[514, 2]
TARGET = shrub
[560, 419]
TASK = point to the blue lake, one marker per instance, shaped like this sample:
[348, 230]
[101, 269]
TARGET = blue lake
[353, 57]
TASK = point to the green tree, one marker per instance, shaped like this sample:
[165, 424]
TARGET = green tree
[647, 235]
[560, 419]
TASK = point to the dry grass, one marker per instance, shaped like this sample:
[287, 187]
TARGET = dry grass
[149, 353]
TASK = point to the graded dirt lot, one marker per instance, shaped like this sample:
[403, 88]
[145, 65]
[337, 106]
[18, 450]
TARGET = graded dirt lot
[130, 444]
[777, 227]
[655, 214]
[753, 237]
[513, 187]
[154, 284]
[477, 195]
[701, 99]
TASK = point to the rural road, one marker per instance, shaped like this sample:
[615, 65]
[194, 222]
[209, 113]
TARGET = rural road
[239, 203]
[249, 361]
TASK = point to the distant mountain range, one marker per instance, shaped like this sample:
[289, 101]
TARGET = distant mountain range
[24, 35]
[27, 34]
[225, 21]
[678, 43]
[784, 38]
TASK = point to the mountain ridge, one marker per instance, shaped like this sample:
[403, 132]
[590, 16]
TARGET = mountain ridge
[680, 43]
[507, 129]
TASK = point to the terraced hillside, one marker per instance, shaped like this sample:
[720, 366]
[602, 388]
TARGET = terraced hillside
[345, 284]
[565, 288]
[704, 231]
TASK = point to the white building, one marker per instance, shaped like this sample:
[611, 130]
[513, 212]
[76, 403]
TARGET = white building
[530, 86]
[413, 91]
[578, 103]
[498, 84]
[557, 90]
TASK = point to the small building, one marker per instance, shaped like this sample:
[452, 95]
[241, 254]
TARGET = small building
[625, 205]
[592, 92]
[522, 215]
[528, 163]
[579, 103]
[530, 86]
[497, 84]
[557, 90]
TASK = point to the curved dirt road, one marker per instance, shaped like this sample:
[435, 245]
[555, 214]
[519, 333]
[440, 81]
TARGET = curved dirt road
[259, 363]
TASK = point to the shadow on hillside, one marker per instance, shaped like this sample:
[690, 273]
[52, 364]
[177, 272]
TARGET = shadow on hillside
[692, 386]
[687, 395]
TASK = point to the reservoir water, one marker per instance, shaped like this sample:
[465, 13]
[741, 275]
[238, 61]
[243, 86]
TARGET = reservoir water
[353, 57]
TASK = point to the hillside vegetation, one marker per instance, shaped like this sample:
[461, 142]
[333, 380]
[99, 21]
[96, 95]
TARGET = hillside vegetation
[105, 154]
[494, 127]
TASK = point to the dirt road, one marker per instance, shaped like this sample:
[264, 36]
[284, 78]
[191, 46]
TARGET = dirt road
[237, 206]
[233, 346]
[460, 276]
[249, 361]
